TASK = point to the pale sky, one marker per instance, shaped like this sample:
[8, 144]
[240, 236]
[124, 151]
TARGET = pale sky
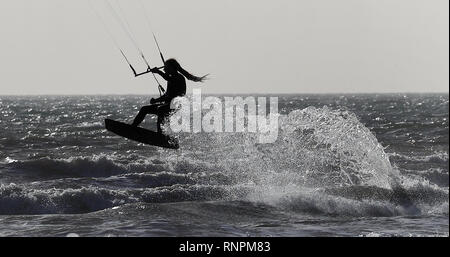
[248, 46]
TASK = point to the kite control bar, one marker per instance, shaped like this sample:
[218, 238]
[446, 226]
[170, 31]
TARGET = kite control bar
[143, 73]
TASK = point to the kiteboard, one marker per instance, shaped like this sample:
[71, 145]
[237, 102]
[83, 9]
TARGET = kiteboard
[141, 135]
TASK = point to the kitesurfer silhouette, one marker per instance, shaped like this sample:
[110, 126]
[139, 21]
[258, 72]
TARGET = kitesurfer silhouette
[175, 76]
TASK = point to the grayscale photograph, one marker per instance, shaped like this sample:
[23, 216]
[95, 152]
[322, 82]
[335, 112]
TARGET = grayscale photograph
[230, 119]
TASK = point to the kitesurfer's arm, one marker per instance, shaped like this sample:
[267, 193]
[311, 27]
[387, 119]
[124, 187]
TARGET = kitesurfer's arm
[159, 100]
[160, 73]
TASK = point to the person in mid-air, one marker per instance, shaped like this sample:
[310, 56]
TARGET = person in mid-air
[175, 76]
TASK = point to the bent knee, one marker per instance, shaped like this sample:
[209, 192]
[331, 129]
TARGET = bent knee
[148, 109]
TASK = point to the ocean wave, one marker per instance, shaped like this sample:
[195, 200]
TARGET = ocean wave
[100, 166]
[16, 199]
[354, 201]
[436, 175]
[339, 206]
[19, 199]
[428, 172]
[436, 157]
[149, 180]
[8, 160]
[358, 201]
[96, 124]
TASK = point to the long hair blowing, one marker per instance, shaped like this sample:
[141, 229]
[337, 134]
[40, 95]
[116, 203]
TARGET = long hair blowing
[186, 74]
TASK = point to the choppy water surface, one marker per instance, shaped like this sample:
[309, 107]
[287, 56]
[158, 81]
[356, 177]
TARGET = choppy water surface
[352, 165]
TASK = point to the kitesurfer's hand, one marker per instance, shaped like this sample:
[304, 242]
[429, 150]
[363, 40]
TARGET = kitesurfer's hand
[154, 70]
[152, 101]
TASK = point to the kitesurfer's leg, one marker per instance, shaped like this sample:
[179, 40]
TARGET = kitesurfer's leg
[149, 109]
[163, 112]
[159, 123]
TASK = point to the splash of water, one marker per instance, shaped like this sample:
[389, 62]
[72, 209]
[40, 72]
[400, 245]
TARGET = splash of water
[316, 148]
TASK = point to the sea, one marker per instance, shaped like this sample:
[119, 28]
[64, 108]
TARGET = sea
[357, 165]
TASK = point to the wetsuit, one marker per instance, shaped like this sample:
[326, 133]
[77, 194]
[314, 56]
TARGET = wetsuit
[176, 86]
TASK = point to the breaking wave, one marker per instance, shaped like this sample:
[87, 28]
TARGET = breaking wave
[18, 199]
[101, 166]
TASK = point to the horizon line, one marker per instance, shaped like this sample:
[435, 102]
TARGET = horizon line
[138, 94]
